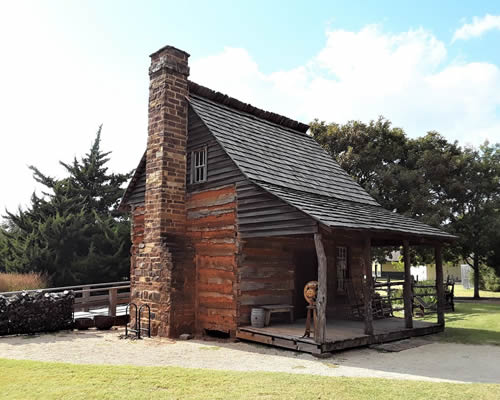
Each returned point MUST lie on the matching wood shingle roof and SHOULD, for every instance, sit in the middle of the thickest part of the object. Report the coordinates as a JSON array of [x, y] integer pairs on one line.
[[292, 166], [277, 155]]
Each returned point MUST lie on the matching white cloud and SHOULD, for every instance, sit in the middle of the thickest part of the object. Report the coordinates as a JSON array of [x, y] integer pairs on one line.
[[407, 77], [477, 27], [55, 90]]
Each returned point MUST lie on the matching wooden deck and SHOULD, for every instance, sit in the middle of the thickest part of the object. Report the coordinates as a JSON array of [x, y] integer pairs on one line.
[[340, 334], [120, 311]]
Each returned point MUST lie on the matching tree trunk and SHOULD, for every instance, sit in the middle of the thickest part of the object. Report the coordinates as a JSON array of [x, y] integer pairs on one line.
[[476, 276]]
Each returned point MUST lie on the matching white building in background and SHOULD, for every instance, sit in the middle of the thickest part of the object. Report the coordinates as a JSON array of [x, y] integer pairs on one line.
[[467, 281], [393, 268]]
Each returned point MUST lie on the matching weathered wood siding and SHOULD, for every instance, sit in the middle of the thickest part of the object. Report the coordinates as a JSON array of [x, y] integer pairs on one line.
[[338, 301], [260, 214], [212, 230], [221, 170], [136, 197]]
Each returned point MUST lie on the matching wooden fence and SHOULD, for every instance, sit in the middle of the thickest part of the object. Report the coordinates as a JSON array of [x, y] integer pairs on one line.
[[93, 296]]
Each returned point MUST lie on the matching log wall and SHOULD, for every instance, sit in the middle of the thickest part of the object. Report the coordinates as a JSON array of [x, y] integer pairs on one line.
[[267, 272], [211, 228]]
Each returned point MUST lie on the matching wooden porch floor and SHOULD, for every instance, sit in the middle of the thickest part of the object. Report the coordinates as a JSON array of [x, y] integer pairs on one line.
[[341, 334]]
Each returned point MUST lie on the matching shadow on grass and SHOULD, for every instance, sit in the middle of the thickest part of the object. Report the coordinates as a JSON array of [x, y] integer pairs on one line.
[[470, 336]]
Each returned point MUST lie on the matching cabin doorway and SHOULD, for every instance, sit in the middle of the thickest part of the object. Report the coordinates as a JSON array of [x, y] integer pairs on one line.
[[306, 269]]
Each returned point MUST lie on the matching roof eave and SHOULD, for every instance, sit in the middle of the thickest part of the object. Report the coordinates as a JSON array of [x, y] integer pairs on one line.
[[124, 206]]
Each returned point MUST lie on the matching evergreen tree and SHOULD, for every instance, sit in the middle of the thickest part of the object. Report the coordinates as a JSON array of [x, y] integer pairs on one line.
[[73, 233]]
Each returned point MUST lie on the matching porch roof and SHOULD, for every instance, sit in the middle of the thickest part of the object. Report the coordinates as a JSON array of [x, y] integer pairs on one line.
[[338, 213]]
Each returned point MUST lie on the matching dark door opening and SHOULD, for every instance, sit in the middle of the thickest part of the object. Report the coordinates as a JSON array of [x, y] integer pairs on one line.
[[306, 269]]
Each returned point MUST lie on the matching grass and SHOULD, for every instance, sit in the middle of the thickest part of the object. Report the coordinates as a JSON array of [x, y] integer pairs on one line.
[[461, 292], [210, 348], [37, 380], [14, 282], [471, 323]]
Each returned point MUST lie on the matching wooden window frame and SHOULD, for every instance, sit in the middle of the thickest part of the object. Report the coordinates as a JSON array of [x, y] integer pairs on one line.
[[342, 277], [199, 164]]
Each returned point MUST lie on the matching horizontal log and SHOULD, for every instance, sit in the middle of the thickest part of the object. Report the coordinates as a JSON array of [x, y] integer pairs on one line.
[[246, 285], [264, 272], [206, 262], [246, 299], [225, 288], [216, 249]]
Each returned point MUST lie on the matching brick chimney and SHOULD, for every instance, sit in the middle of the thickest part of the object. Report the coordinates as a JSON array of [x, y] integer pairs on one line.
[[163, 266]]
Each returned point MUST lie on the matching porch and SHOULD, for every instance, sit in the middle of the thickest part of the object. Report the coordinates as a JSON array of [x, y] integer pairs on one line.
[[351, 310], [339, 334]]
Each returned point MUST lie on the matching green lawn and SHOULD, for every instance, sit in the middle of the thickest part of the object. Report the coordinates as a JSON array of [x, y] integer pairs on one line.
[[37, 380], [461, 292], [473, 323]]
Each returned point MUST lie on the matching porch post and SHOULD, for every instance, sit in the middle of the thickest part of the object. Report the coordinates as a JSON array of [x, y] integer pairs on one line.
[[439, 284], [407, 288], [368, 286], [320, 332]]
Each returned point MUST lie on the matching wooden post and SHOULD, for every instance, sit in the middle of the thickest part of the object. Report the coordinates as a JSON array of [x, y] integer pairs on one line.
[[368, 286], [320, 329], [85, 297], [439, 284], [113, 296], [389, 288], [407, 291]]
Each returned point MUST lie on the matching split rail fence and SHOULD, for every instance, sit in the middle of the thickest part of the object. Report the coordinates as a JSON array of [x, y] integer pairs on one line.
[[87, 297]]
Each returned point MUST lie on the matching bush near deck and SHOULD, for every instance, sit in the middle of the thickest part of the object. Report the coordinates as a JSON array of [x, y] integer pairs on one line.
[[15, 282]]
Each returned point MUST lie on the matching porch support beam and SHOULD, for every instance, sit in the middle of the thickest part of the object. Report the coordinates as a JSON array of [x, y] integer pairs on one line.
[[320, 332], [368, 286], [407, 288], [439, 284]]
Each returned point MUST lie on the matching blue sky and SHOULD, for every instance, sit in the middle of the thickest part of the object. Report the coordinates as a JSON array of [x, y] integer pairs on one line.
[[68, 66]]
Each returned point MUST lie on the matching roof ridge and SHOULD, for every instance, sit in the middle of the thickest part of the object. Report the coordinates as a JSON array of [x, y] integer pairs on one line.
[[224, 100]]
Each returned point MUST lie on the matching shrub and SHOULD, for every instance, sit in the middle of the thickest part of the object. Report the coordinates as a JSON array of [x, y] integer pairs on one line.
[[428, 294], [489, 279], [15, 282]]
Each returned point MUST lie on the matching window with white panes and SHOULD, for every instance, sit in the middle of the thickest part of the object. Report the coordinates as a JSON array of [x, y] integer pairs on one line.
[[341, 262], [199, 165]]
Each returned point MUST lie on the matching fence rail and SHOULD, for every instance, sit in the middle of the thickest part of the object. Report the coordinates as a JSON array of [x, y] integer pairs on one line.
[[92, 296]]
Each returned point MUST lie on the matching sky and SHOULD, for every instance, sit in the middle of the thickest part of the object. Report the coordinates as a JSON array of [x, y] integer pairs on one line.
[[68, 66]]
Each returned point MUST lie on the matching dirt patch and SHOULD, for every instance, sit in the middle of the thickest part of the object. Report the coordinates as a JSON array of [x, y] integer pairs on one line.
[[400, 345]]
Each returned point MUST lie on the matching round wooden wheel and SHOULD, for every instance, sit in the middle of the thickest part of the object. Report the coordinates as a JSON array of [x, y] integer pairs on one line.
[[310, 292]]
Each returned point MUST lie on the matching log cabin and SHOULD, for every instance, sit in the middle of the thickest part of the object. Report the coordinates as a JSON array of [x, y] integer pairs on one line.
[[235, 208]]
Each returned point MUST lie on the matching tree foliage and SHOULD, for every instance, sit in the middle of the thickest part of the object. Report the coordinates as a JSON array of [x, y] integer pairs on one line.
[[73, 233], [428, 178]]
